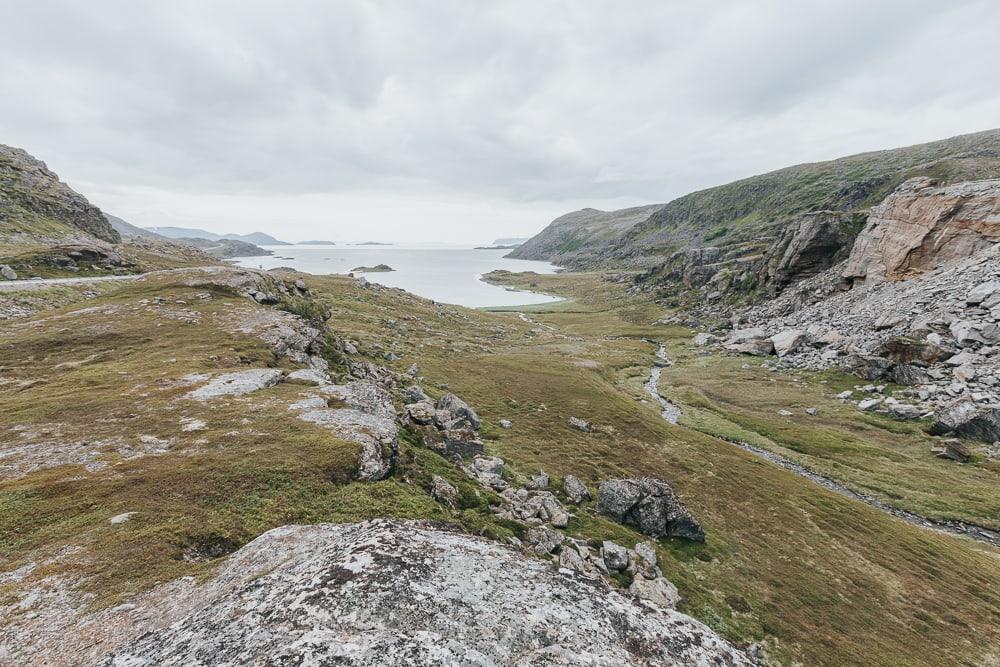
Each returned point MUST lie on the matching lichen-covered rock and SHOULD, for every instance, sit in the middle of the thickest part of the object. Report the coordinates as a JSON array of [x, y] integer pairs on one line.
[[788, 341], [951, 449], [758, 347], [538, 482], [414, 394], [650, 505], [867, 367], [575, 490], [366, 416], [421, 412], [703, 339], [615, 556], [966, 420], [308, 376], [443, 491], [580, 424], [237, 383], [657, 590], [392, 592], [456, 409], [543, 540]]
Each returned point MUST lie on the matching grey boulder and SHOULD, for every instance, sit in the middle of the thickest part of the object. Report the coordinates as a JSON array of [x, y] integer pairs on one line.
[[650, 505], [457, 409], [575, 490], [966, 420]]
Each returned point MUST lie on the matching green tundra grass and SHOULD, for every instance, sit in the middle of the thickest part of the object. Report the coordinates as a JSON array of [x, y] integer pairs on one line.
[[817, 578]]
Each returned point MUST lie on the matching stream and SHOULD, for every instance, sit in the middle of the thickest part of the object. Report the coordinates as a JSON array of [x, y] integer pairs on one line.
[[671, 413], [668, 410]]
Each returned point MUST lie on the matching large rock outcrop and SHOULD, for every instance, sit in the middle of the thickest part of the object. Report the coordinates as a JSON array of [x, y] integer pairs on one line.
[[919, 226], [32, 197], [808, 245], [391, 593]]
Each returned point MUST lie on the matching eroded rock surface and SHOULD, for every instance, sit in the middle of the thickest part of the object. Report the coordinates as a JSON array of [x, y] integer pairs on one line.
[[919, 226], [363, 413], [238, 383], [389, 592]]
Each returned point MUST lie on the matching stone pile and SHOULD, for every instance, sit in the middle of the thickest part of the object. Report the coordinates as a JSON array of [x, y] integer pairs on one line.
[[937, 333], [608, 559], [449, 426]]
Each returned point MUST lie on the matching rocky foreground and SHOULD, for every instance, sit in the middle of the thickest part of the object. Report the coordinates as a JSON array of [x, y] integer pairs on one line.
[[407, 593]]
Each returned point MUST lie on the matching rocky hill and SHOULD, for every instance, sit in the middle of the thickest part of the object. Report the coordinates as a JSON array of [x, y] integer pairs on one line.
[[578, 238], [36, 205], [739, 234], [48, 230], [917, 303], [224, 248], [129, 231]]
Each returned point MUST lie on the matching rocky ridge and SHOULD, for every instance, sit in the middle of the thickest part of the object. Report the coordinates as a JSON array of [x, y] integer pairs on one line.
[[393, 592], [31, 194]]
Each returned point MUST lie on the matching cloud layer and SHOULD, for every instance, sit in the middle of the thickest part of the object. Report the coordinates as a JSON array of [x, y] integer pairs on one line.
[[464, 120]]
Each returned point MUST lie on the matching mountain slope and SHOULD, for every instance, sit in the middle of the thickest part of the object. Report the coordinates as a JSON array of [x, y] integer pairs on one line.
[[744, 210], [576, 237], [35, 205], [130, 231], [746, 217]]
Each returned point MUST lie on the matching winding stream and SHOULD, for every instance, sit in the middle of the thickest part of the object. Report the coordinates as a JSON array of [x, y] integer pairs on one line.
[[672, 413], [668, 410]]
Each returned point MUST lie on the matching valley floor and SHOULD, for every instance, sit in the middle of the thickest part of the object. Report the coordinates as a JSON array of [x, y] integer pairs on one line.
[[97, 424]]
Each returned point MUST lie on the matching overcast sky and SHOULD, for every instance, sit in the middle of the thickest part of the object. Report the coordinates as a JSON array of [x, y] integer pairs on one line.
[[464, 121]]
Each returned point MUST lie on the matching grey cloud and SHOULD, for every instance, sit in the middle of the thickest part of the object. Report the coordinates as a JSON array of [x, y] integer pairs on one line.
[[518, 102]]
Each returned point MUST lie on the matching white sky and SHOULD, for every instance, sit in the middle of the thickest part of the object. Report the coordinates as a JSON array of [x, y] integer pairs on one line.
[[468, 120]]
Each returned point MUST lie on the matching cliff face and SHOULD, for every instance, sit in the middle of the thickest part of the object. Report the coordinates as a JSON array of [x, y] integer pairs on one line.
[[34, 202], [920, 226]]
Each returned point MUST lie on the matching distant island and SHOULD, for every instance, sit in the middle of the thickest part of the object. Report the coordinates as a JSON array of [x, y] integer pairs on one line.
[[503, 244], [373, 243], [509, 242], [317, 243], [378, 268]]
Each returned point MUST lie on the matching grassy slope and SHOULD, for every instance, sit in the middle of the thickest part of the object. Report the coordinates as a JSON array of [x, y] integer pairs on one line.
[[822, 579], [756, 207]]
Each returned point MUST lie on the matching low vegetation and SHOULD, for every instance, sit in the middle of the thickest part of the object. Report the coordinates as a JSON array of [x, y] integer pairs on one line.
[[816, 577]]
